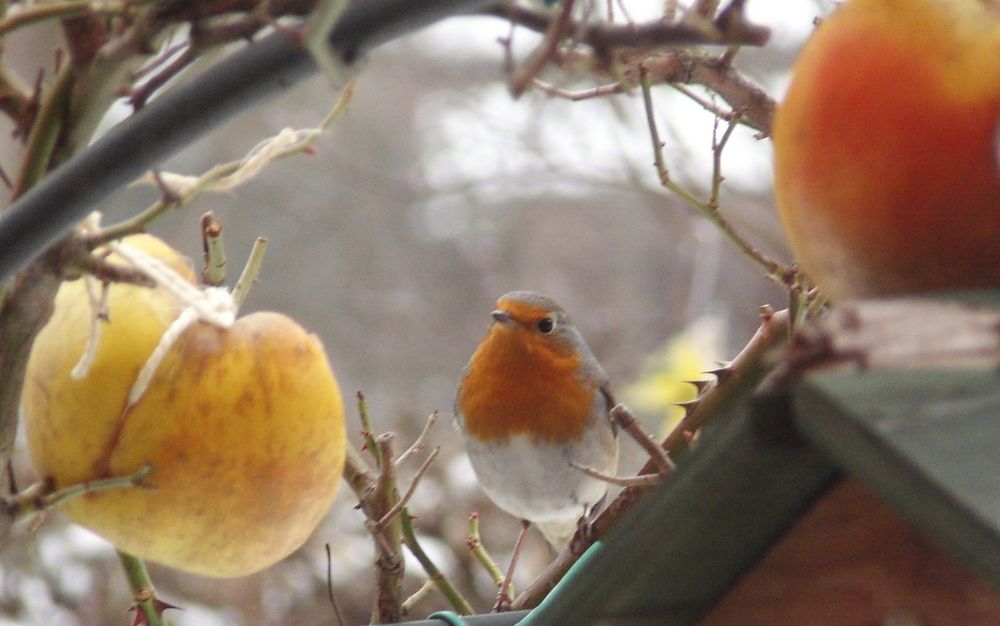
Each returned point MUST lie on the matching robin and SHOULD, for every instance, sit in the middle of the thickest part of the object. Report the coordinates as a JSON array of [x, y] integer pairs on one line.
[[533, 399]]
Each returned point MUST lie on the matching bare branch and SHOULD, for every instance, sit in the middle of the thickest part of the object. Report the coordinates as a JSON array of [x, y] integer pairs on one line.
[[756, 106], [420, 442], [397, 508], [643, 36], [624, 418], [329, 587], [576, 96], [643, 480], [543, 54]]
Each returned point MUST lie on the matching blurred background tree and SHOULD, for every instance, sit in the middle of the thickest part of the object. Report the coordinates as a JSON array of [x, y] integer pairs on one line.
[[433, 195]]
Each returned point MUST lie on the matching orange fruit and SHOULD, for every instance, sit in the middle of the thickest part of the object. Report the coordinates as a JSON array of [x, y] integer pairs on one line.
[[243, 428], [886, 156]]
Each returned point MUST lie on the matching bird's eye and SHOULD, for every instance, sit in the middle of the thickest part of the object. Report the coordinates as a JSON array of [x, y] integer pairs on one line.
[[546, 325]]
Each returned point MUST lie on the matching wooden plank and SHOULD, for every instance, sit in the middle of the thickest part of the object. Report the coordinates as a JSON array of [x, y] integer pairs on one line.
[[927, 441], [852, 560]]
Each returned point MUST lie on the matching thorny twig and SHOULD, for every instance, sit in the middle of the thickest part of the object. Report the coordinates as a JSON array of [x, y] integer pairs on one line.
[[203, 38], [624, 419], [709, 208], [389, 521], [697, 68], [417, 596], [643, 480], [642, 36], [397, 508], [474, 542], [329, 587], [43, 496], [621, 415], [366, 429], [576, 96], [148, 607], [619, 50], [389, 563], [435, 575], [213, 271], [543, 54], [251, 270], [420, 442]]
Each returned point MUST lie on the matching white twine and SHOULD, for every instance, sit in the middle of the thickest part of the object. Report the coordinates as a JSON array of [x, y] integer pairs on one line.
[[227, 176], [212, 305], [97, 303]]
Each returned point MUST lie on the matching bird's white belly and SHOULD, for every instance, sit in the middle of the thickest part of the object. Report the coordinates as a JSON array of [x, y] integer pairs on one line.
[[533, 480]]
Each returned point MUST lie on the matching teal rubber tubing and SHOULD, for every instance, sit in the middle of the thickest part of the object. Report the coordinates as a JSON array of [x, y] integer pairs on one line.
[[537, 616]]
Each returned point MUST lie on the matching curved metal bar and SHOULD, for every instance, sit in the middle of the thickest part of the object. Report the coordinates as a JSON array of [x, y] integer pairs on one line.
[[47, 211]]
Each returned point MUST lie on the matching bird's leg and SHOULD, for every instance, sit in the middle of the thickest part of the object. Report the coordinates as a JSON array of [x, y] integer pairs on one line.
[[586, 534], [503, 597]]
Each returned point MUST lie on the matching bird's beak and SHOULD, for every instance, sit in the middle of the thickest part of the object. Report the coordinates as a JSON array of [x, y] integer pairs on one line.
[[501, 316]]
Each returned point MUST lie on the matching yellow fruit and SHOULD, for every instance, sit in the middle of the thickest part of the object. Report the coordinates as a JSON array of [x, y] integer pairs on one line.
[[886, 170], [243, 428]]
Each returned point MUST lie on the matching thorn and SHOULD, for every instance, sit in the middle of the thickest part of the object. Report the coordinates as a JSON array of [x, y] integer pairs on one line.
[[723, 372], [686, 407], [700, 385], [159, 606], [5, 179]]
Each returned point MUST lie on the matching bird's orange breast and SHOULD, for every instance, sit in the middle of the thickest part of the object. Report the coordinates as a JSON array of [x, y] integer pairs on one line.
[[518, 384]]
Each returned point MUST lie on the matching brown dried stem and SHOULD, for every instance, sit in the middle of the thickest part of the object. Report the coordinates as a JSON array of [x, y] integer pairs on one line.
[[43, 496], [543, 54], [366, 428], [213, 272], [16, 100], [35, 13], [389, 564], [640, 36], [622, 481], [583, 94], [708, 208], [250, 271], [621, 415], [397, 508], [695, 68], [329, 588], [420, 442], [389, 522]]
